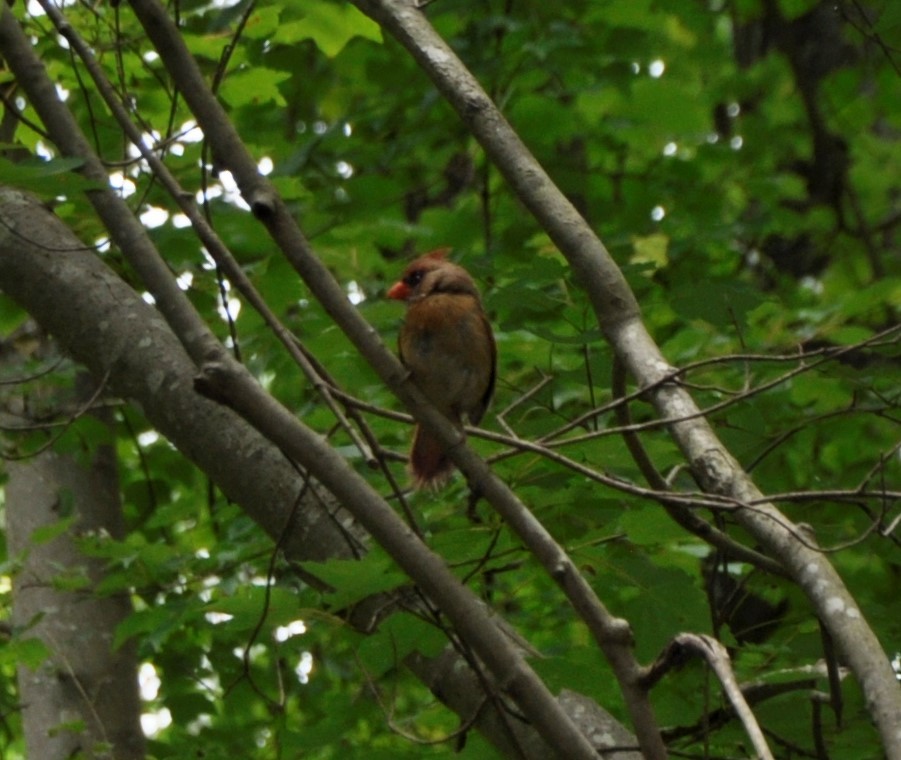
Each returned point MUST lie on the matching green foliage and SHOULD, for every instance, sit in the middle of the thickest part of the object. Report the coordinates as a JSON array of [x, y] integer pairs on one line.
[[690, 166], [29, 652], [45, 178]]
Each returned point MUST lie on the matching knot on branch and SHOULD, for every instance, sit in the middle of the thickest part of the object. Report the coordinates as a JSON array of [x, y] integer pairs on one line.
[[262, 203], [210, 381], [714, 471], [621, 632]]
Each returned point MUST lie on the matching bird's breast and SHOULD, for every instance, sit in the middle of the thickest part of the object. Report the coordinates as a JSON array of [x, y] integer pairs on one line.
[[444, 343]]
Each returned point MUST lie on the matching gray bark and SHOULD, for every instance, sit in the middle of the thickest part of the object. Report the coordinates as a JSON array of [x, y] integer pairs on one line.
[[84, 698]]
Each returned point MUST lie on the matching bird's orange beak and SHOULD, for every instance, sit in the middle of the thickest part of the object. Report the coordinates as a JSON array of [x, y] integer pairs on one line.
[[399, 291]]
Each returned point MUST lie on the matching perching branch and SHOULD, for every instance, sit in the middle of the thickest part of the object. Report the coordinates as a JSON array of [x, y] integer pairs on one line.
[[146, 363], [610, 633], [235, 386]]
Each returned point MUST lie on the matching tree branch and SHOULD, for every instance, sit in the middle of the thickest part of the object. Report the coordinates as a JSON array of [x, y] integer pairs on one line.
[[106, 326], [125, 229], [234, 385]]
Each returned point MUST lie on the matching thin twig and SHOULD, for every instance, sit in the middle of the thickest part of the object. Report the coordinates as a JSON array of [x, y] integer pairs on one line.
[[717, 657], [83, 409], [465, 725]]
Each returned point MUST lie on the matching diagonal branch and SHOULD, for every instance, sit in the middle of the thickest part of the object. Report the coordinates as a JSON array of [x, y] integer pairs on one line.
[[611, 634], [235, 385]]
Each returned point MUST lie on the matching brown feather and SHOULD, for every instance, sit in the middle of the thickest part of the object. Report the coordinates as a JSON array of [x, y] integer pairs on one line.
[[447, 344], [430, 466]]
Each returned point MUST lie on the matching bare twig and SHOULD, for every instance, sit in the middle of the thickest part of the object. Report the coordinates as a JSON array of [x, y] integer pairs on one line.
[[674, 507], [82, 409], [717, 658], [519, 401], [388, 711]]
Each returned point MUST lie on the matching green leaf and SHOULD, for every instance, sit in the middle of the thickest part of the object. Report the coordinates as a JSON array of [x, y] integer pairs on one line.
[[650, 525], [652, 250], [49, 178], [254, 86], [250, 603], [330, 25], [888, 23], [792, 9], [820, 393], [396, 638], [69, 726], [153, 625], [357, 579], [30, 652], [668, 107], [47, 533], [263, 23], [722, 304]]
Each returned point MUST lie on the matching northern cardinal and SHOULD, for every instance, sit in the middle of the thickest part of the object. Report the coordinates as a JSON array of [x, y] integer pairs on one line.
[[447, 344]]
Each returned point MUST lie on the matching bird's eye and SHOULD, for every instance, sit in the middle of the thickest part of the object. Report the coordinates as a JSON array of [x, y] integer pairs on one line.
[[414, 278]]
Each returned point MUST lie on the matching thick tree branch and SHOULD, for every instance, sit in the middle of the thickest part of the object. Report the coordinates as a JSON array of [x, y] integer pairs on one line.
[[105, 325], [124, 228], [619, 318], [459, 687]]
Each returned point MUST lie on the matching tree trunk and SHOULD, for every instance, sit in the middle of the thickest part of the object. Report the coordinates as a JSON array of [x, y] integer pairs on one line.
[[84, 697]]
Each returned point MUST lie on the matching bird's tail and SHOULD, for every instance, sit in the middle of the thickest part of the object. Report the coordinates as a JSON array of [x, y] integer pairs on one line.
[[430, 465]]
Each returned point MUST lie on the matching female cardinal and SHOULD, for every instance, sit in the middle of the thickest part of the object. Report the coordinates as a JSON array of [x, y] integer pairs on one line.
[[447, 344]]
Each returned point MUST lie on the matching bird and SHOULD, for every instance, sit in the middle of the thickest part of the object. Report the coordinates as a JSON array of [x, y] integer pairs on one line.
[[447, 345]]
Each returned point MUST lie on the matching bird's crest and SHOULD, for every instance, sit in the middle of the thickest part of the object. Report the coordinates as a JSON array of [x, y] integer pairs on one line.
[[439, 253]]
